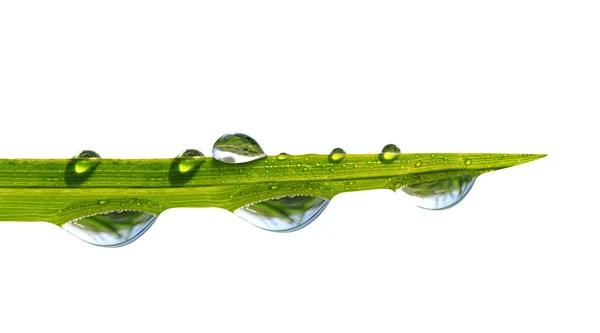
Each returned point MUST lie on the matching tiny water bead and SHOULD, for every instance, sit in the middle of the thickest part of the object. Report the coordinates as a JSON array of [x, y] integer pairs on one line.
[[86, 161], [185, 166], [283, 214], [111, 229], [337, 155], [283, 156], [237, 148], [389, 153], [81, 167], [188, 160], [441, 194]]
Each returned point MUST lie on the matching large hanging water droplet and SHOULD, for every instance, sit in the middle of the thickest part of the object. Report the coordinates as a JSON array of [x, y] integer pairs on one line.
[[337, 155], [441, 194], [283, 214], [389, 153], [185, 166], [111, 229], [237, 148], [81, 167]]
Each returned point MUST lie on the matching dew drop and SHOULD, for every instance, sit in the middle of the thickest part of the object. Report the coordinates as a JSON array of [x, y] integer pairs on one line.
[[441, 194], [112, 229], [184, 166], [81, 167], [468, 161], [237, 148], [337, 155], [188, 160], [389, 153], [86, 161], [283, 156], [283, 214]]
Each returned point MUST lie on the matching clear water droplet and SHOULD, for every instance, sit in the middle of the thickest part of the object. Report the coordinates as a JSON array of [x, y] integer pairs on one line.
[[337, 155], [441, 194], [468, 161], [283, 156], [112, 229], [237, 148], [86, 160], [184, 166], [188, 160], [389, 153], [283, 214], [81, 167]]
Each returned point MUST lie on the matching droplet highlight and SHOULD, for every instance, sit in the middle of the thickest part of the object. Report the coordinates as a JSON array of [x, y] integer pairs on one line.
[[337, 155], [283, 156], [389, 153], [441, 194], [112, 229], [284, 214], [81, 167], [237, 148]]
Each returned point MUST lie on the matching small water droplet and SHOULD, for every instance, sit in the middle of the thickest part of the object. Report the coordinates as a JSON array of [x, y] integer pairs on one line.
[[418, 164], [468, 161], [188, 160], [337, 155], [81, 167], [184, 166], [284, 214], [273, 187], [112, 229], [237, 148], [389, 153], [283, 156], [441, 194]]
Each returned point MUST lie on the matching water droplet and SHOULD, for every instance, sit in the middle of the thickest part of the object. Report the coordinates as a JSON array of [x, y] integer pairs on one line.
[[81, 167], [441, 194], [337, 155], [188, 160], [468, 161], [184, 166], [389, 153], [283, 156], [283, 214], [418, 164], [112, 229], [274, 187], [237, 148]]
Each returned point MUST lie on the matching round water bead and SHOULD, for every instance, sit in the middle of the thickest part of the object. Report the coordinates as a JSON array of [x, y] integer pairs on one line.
[[284, 214], [441, 194], [337, 155], [237, 148], [111, 229]]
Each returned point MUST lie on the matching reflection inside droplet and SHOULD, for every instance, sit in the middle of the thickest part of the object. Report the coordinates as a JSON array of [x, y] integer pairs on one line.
[[237, 148], [112, 229], [284, 214], [441, 194]]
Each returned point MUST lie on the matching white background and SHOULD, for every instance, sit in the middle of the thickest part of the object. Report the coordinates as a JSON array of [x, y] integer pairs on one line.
[[149, 79]]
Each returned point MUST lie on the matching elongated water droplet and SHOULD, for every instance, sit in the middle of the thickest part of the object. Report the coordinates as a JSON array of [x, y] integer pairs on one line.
[[111, 229], [389, 153], [237, 148], [283, 214], [283, 156], [441, 194], [337, 155], [81, 167], [185, 166]]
